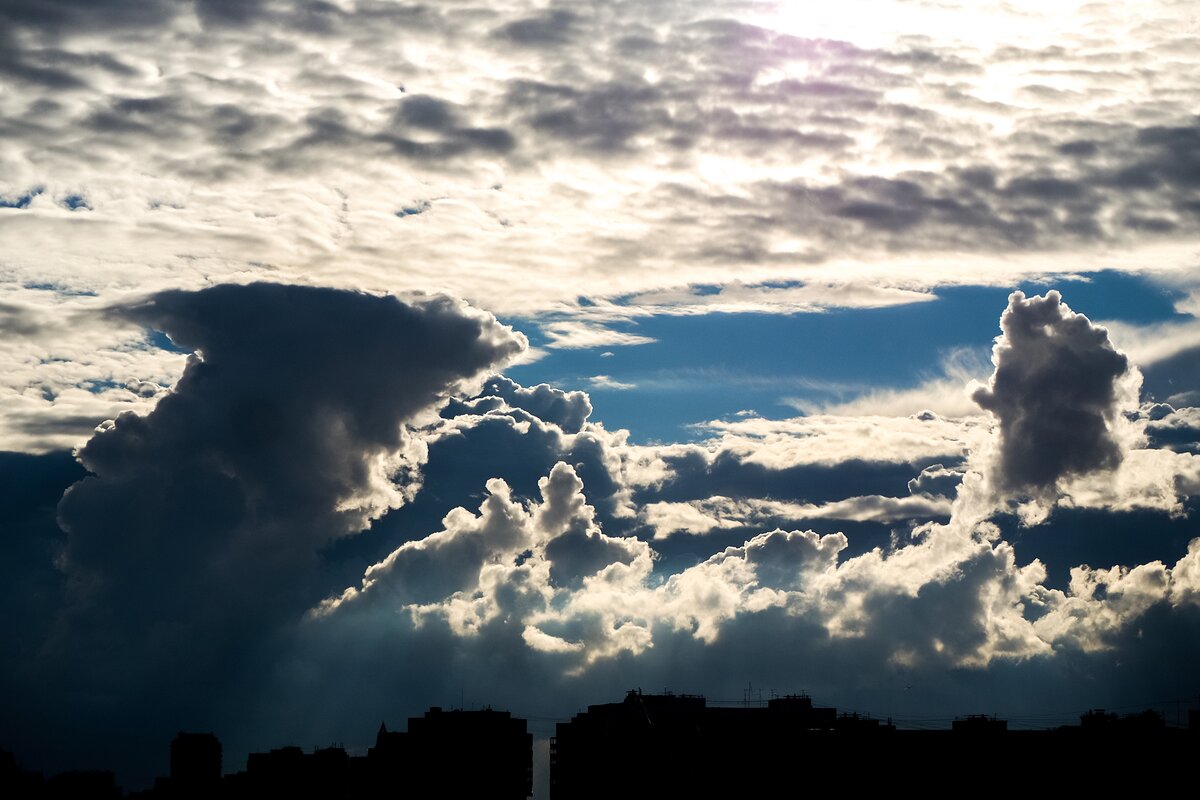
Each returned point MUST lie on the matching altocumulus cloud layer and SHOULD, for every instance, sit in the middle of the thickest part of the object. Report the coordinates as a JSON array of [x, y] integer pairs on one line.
[[523, 155]]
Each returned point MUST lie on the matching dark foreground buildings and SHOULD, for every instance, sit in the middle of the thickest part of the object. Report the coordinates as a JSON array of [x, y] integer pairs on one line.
[[672, 745], [664, 746], [486, 754], [678, 745], [444, 754]]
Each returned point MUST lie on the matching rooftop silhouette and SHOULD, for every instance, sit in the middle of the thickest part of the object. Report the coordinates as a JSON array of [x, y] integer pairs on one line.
[[675, 745], [652, 745]]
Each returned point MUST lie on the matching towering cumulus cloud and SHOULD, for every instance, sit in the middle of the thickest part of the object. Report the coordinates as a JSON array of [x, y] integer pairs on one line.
[[1057, 389], [202, 521]]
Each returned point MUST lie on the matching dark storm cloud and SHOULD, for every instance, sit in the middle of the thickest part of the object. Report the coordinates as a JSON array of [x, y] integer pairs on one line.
[[30, 543], [292, 393], [200, 525], [1055, 392], [943, 620]]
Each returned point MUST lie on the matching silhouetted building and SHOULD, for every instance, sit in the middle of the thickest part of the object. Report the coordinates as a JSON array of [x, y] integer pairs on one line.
[[389, 758], [1098, 719], [17, 782], [676, 745], [979, 725], [670, 745], [283, 771], [195, 766], [799, 712], [470, 754], [83, 785], [653, 746], [486, 754]]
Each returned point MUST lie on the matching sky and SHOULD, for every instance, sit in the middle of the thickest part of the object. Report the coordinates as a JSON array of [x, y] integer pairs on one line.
[[361, 356]]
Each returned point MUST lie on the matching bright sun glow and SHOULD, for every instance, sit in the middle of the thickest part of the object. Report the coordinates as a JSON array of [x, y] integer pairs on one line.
[[878, 23]]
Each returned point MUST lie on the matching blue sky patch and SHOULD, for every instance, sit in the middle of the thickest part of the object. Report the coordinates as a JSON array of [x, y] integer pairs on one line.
[[712, 366], [20, 200]]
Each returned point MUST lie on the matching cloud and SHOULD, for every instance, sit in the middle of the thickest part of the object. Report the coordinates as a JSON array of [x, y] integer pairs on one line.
[[30, 545], [201, 523], [1057, 392], [581, 335], [739, 298], [1100, 603], [567, 410], [830, 439], [583, 168], [1174, 429], [947, 395], [506, 561], [1167, 353], [948, 597], [699, 517], [520, 433], [544, 583], [1145, 479], [550, 29], [605, 382], [68, 368], [936, 480], [1151, 344], [676, 173]]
